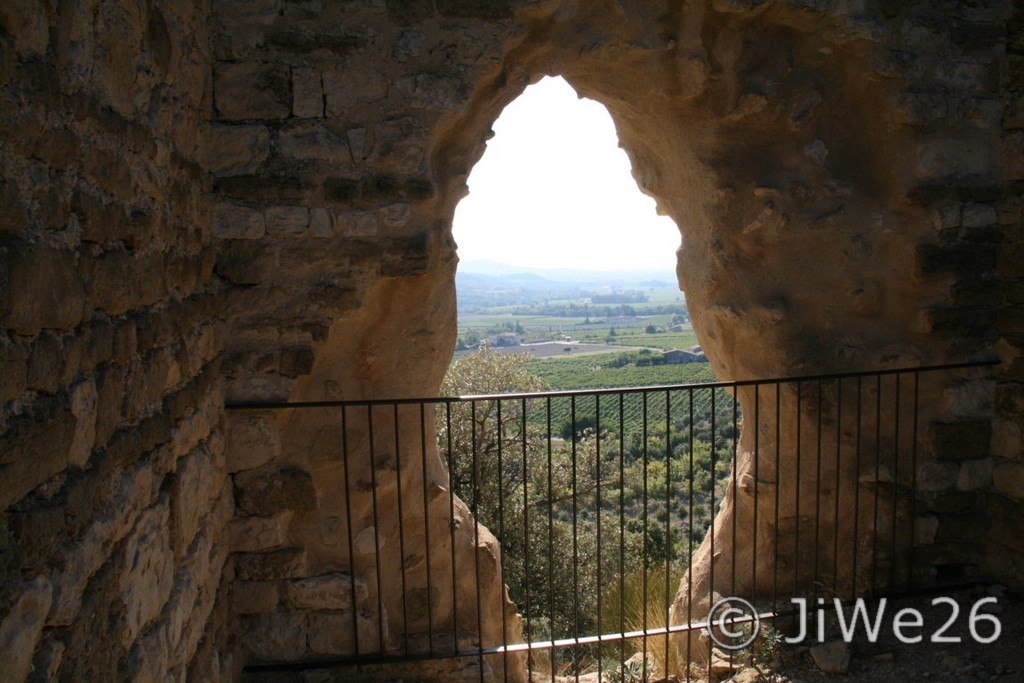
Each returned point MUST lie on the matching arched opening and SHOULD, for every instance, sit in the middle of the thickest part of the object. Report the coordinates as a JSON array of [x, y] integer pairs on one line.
[[571, 285]]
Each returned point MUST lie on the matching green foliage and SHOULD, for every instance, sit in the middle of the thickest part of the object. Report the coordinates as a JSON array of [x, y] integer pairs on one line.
[[586, 510]]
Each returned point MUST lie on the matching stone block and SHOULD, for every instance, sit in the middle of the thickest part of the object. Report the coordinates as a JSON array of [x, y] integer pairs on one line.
[[255, 534], [946, 157], [435, 92], [354, 224], [936, 476], [286, 221], [405, 12], [21, 628], [311, 140], [236, 150], [1008, 480], [476, 9], [234, 222], [83, 407], [31, 453], [147, 575], [193, 487], [307, 93], [1013, 155], [255, 597], [252, 90], [395, 215], [40, 288], [331, 633], [284, 563], [274, 637], [346, 88], [979, 215], [119, 280], [975, 475], [967, 76], [16, 362], [252, 439], [328, 592], [960, 440], [268, 492]]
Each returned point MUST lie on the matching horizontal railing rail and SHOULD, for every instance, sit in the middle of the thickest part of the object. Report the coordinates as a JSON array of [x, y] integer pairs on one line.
[[619, 514]]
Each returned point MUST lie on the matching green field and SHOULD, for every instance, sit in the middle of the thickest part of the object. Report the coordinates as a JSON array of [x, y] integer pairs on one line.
[[588, 372]]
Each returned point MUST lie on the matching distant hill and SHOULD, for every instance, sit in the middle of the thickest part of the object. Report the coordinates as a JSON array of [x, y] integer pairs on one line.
[[523, 276]]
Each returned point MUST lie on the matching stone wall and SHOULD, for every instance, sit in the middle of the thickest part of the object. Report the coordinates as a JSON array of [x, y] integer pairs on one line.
[[112, 464], [252, 199], [858, 145]]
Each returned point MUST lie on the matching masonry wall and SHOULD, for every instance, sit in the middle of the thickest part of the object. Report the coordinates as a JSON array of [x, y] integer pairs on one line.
[[112, 483]]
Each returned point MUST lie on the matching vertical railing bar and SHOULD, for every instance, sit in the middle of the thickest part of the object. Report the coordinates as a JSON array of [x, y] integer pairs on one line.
[[778, 493], [711, 514], [646, 455], [838, 491], [689, 545], [668, 519], [878, 484], [735, 493], [376, 529], [475, 474], [426, 527], [817, 491], [401, 531], [757, 478], [913, 477], [856, 489], [735, 498], [575, 544], [528, 610], [501, 532], [622, 528], [797, 486], [348, 525], [895, 483], [451, 524], [597, 475], [551, 542]]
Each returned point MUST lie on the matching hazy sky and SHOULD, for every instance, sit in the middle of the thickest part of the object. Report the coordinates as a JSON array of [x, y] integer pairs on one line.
[[553, 189]]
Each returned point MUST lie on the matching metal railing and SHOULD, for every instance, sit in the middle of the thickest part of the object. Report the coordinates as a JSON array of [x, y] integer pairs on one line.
[[604, 503]]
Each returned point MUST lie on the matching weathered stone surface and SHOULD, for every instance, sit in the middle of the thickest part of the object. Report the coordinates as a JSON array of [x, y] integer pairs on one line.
[[40, 288], [252, 534], [284, 563], [330, 633], [327, 592], [345, 89], [21, 628], [232, 222], [237, 150], [310, 141], [83, 407], [148, 574], [307, 93], [255, 597], [960, 440], [286, 221], [253, 440], [252, 90], [274, 637], [268, 492]]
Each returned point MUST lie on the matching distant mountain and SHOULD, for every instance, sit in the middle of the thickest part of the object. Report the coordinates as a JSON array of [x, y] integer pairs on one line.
[[523, 274]]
